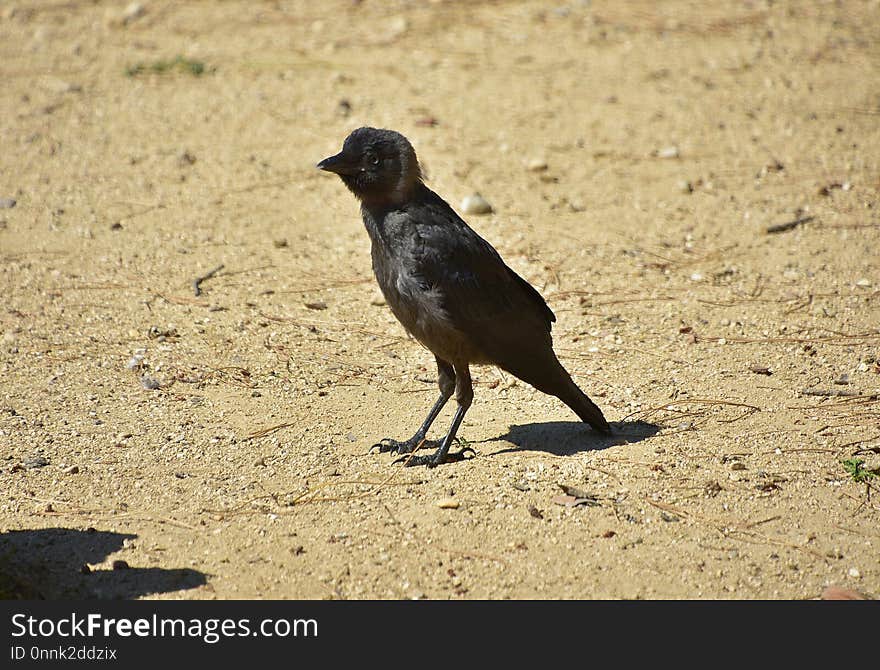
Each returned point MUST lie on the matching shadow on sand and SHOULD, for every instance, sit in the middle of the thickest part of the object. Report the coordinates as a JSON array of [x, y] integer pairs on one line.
[[565, 438], [47, 563]]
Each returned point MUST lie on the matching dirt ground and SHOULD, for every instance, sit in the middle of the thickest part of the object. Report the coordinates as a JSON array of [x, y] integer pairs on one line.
[[635, 155]]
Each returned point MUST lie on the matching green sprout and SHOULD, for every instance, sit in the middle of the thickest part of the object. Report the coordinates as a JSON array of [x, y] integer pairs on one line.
[[855, 468], [186, 65]]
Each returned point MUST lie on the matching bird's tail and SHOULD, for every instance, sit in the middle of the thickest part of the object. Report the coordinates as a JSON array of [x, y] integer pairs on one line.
[[547, 374], [585, 408]]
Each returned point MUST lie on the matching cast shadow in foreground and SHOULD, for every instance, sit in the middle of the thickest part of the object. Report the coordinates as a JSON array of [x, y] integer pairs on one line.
[[48, 563], [565, 438]]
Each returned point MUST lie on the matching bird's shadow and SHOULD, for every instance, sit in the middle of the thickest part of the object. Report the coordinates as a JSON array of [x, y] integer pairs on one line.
[[565, 438], [47, 563]]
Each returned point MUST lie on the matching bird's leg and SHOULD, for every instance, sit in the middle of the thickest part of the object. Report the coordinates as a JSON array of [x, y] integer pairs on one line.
[[464, 395], [410, 445], [446, 381]]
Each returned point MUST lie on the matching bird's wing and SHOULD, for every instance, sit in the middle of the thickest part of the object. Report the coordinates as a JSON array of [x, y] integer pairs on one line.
[[476, 288]]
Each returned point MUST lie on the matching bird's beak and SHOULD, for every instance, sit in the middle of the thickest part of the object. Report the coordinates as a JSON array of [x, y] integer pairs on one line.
[[340, 164]]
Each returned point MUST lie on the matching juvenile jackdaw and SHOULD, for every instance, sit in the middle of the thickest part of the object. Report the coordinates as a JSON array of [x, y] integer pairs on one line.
[[448, 287]]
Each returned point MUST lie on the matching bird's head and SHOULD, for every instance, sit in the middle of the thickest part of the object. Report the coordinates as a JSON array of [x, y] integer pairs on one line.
[[378, 166]]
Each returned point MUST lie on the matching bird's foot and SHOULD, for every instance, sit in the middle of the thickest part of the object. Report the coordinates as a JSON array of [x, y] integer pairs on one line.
[[386, 444], [432, 461]]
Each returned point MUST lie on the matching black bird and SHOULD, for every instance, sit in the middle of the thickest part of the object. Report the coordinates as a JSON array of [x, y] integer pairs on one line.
[[448, 287]]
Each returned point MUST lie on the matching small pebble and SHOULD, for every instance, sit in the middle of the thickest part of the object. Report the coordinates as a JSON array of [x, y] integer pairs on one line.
[[138, 358], [133, 12], [838, 593], [863, 282], [149, 383], [476, 204], [7, 203], [447, 503], [397, 27], [667, 152], [536, 165], [72, 470], [854, 573], [35, 462], [736, 465]]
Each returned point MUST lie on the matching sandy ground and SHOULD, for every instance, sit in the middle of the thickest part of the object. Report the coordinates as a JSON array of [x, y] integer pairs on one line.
[[635, 154]]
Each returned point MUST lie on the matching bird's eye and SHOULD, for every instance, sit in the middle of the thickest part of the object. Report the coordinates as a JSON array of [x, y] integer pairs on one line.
[[372, 158]]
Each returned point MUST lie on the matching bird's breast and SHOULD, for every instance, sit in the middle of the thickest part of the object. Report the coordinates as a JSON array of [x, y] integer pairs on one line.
[[398, 285], [419, 308]]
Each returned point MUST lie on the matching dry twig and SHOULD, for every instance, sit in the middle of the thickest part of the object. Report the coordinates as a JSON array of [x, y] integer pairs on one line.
[[197, 282]]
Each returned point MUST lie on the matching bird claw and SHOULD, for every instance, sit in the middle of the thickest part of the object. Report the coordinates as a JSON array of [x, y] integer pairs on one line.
[[410, 460], [386, 444]]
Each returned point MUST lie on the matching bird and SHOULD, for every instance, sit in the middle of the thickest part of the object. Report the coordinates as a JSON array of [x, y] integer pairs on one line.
[[449, 288]]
